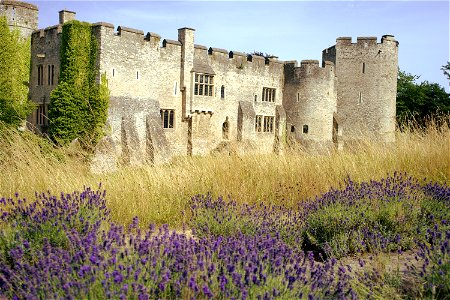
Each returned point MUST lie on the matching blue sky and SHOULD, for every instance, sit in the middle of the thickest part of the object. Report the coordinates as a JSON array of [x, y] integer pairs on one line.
[[291, 30]]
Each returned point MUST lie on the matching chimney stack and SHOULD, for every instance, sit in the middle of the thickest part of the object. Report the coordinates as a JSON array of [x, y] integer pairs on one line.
[[66, 16]]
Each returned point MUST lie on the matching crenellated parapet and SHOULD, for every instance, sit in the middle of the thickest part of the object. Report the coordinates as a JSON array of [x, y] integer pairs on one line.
[[308, 69], [366, 41]]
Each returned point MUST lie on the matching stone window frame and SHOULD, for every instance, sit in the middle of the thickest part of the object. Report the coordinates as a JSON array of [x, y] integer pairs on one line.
[[258, 123], [268, 123], [41, 117], [167, 118], [268, 94], [51, 74], [203, 84], [40, 74]]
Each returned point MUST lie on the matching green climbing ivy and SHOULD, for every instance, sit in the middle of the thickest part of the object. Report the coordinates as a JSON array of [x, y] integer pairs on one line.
[[14, 75], [79, 104]]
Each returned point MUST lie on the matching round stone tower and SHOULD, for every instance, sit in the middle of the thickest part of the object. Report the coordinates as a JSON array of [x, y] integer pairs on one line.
[[20, 15], [310, 103], [367, 85]]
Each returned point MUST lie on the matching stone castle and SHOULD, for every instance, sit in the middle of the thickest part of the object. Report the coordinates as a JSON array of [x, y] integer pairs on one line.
[[174, 97]]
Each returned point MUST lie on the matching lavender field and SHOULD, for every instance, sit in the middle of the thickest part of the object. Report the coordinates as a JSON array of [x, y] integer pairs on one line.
[[326, 247]]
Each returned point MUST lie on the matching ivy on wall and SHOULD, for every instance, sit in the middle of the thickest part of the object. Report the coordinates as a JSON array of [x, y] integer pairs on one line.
[[14, 75], [79, 104]]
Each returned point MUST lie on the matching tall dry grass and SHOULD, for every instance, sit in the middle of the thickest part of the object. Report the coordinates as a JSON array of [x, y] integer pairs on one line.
[[160, 194]]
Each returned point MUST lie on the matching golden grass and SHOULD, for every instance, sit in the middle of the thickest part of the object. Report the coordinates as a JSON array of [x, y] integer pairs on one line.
[[160, 194]]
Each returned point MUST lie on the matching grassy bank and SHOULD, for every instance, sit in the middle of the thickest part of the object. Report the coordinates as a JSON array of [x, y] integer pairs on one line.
[[159, 194]]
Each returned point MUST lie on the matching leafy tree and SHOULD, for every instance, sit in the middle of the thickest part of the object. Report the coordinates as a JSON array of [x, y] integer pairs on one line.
[[418, 102], [78, 105], [446, 70], [14, 75]]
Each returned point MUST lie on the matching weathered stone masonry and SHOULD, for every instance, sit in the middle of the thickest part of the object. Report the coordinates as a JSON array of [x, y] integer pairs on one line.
[[174, 97]]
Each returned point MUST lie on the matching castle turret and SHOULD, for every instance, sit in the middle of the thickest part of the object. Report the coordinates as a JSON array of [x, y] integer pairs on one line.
[[310, 103], [20, 15], [367, 86]]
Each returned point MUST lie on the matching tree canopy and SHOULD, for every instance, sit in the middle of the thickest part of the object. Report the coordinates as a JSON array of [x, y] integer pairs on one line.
[[419, 101], [14, 75]]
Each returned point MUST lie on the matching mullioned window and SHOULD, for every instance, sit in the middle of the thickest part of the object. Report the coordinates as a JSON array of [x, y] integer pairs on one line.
[[268, 94], [204, 85], [167, 117]]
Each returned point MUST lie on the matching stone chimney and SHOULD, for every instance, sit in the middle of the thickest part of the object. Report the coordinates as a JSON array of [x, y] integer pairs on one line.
[[66, 16]]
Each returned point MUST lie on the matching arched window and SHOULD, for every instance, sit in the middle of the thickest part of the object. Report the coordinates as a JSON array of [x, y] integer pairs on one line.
[[222, 91]]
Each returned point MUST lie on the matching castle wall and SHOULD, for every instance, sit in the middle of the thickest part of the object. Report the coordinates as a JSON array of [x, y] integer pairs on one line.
[[174, 97], [20, 15], [243, 79], [137, 67], [44, 75], [367, 85], [310, 103]]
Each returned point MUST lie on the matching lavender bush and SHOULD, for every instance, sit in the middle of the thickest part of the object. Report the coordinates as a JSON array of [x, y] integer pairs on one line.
[[67, 246], [57, 248]]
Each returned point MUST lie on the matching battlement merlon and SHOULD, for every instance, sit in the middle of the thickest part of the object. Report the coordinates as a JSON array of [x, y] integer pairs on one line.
[[130, 32], [200, 47], [19, 4], [170, 42], [388, 38], [233, 54], [217, 51]]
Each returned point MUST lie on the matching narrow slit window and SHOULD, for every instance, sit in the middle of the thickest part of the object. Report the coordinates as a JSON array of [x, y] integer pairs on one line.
[[175, 88], [40, 78], [137, 75], [113, 73], [298, 97], [222, 92], [53, 75], [360, 98], [305, 129], [364, 67], [258, 124]]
